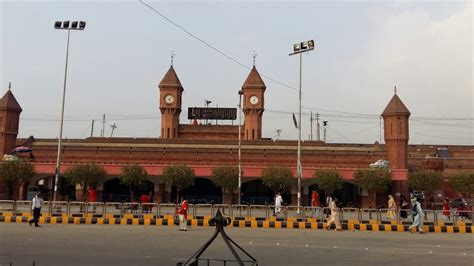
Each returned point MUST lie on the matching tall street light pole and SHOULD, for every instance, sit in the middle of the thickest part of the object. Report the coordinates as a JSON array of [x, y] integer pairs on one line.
[[240, 147], [64, 25], [300, 48]]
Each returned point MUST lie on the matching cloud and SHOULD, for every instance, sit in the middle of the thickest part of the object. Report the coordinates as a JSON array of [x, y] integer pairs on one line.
[[430, 60]]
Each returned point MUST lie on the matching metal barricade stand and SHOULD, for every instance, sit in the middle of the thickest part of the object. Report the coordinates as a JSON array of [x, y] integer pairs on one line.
[[95, 208], [256, 211], [167, 209], [147, 209], [206, 207], [77, 209], [7, 206], [240, 210], [112, 209], [370, 213], [294, 212], [313, 211], [429, 216], [345, 214], [219, 222], [21, 206], [57, 208], [132, 208]]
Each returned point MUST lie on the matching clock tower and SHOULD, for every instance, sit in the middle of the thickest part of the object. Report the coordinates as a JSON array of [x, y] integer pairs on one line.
[[171, 91], [253, 107]]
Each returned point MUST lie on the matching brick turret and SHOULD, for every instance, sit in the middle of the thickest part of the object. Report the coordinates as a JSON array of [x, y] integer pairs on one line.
[[395, 117], [253, 107], [171, 92], [9, 121]]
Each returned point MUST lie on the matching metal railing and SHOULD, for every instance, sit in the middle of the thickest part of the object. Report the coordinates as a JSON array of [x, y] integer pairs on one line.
[[247, 212]]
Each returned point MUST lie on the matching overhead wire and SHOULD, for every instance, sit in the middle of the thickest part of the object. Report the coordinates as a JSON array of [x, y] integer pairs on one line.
[[207, 44]]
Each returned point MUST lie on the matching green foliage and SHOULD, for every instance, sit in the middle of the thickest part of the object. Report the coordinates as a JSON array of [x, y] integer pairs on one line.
[[225, 177], [179, 176], [427, 181], [86, 175], [373, 180], [277, 178], [462, 182], [133, 176], [13, 173], [328, 180]]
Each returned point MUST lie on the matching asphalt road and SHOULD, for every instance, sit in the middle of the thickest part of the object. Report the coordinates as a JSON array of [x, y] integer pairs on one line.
[[160, 245]]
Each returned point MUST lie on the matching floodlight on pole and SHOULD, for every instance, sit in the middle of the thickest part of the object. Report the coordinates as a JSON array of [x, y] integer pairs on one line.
[[300, 48], [64, 25], [240, 147]]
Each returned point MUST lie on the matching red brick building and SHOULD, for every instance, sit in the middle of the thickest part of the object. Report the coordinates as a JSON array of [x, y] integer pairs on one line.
[[203, 147]]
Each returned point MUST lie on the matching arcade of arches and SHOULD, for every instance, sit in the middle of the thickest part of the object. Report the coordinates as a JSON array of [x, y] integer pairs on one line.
[[202, 192]]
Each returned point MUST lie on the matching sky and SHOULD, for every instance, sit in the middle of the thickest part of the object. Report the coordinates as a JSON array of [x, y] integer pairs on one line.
[[363, 50]]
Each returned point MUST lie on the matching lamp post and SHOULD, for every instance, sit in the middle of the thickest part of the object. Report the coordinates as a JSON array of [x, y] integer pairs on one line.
[[240, 145], [300, 48], [64, 25]]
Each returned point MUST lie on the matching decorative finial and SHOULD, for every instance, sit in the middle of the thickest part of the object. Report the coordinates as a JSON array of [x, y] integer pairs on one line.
[[172, 57], [395, 90], [254, 55], [9, 85]]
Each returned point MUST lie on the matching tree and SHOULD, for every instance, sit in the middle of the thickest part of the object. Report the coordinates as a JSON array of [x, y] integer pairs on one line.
[[13, 173], [86, 175], [277, 178], [463, 182], [426, 181], [133, 176], [373, 180], [226, 177], [328, 180], [179, 176]]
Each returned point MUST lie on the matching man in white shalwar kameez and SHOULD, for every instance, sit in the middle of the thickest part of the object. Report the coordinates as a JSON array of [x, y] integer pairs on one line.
[[418, 216], [278, 203]]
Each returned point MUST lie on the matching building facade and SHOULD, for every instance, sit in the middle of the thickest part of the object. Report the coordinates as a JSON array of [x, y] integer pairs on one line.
[[204, 146]]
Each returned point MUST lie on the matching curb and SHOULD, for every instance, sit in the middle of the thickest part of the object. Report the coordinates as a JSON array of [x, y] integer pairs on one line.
[[236, 223]]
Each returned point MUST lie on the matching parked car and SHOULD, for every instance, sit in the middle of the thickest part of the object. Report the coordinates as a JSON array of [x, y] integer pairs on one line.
[[458, 203], [380, 164]]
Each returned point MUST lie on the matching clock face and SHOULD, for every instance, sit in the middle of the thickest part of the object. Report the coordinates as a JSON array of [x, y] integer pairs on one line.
[[253, 100], [169, 99]]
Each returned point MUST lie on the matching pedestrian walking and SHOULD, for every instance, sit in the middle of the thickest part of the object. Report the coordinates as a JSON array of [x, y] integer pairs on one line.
[[183, 215], [36, 207], [334, 216], [403, 207], [327, 210], [278, 203], [417, 214], [392, 207], [315, 203], [446, 209]]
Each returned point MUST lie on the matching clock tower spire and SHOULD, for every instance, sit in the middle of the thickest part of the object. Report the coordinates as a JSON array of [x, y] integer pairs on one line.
[[253, 107], [171, 91]]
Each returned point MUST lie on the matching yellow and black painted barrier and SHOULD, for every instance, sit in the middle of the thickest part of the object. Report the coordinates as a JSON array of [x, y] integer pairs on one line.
[[350, 225]]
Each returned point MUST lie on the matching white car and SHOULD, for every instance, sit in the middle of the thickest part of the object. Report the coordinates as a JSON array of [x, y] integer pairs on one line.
[[380, 164]]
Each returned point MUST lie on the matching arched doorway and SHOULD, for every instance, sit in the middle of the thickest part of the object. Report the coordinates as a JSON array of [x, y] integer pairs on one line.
[[320, 192], [202, 192], [348, 195], [115, 191], [255, 192]]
